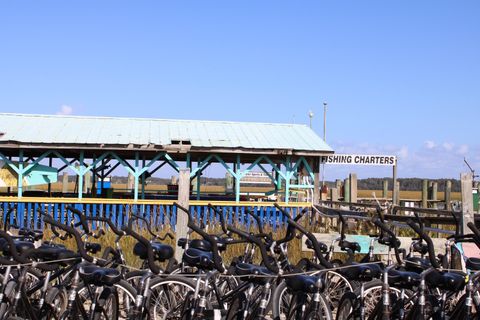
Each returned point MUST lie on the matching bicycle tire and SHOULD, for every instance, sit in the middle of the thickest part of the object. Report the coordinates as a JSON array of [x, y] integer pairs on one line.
[[162, 300], [346, 307], [127, 295], [107, 305]]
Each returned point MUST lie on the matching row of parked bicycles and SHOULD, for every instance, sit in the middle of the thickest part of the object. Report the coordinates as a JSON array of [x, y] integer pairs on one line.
[[44, 279]]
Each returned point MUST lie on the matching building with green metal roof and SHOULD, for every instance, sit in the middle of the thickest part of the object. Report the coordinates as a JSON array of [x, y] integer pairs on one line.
[[82, 143]]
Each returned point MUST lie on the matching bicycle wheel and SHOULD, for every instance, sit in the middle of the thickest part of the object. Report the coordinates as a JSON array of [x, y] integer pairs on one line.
[[281, 299], [5, 308], [167, 297], [126, 298], [336, 286], [57, 300], [107, 305], [322, 312], [346, 307]]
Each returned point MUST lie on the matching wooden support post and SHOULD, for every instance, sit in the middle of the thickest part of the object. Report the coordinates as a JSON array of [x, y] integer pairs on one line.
[[466, 181], [385, 189], [334, 194], [20, 174], [80, 175], [130, 182], [181, 228], [135, 181], [49, 183], [448, 195], [87, 181], [396, 191], [143, 178], [353, 188], [434, 195], [425, 194], [346, 190], [65, 183], [338, 184], [317, 192], [395, 199]]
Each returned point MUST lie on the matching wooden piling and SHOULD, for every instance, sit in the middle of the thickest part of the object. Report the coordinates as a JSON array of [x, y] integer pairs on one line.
[[434, 195], [334, 194], [181, 228], [425, 194], [317, 193], [448, 195], [130, 182], [385, 189], [65, 183], [396, 192], [353, 188], [466, 181], [346, 190]]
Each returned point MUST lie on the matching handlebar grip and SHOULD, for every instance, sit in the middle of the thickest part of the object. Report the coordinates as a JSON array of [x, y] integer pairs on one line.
[[81, 216], [428, 240]]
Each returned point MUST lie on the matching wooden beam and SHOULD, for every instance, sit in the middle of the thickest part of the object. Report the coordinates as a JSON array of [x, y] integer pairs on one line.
[[466, 181], [184, 201]]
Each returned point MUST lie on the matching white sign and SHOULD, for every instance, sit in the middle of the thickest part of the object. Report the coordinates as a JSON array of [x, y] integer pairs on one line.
[[256, 178], [360, 159]]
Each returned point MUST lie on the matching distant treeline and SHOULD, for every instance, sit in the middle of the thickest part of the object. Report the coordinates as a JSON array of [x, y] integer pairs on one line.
[[407, 184]]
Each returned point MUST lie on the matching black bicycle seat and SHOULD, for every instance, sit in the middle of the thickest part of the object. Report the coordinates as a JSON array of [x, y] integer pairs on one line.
[[361, 272], [302, 283], [49, 253], [473, 264], [416, 264], [354, 246], [451, 281], [97, 276], [20, 245], [252, 270], [199, 258], [403, 279], [201, 244], [162, 252]]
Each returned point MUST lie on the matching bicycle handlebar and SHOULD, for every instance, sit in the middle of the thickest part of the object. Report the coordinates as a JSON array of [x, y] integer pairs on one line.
[[428, 240], [309, 235], [217, 260]]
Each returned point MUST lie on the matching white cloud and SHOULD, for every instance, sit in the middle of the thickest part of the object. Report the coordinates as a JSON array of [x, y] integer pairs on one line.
[[448, 146], [403, 152], [65, 110], [430, 144], [463, 149]]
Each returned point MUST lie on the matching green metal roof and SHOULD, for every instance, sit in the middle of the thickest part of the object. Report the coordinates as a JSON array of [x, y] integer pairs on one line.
[[53, 131]]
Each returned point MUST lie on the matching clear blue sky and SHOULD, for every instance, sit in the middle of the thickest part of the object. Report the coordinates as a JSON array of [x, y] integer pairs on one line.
[[400, 77]]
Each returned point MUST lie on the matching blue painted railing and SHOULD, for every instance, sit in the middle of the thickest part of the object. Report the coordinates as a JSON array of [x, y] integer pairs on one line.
[[26, 215]]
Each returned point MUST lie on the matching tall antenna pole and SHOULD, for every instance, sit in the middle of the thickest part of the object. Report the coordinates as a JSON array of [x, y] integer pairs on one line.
[[325, 121]]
